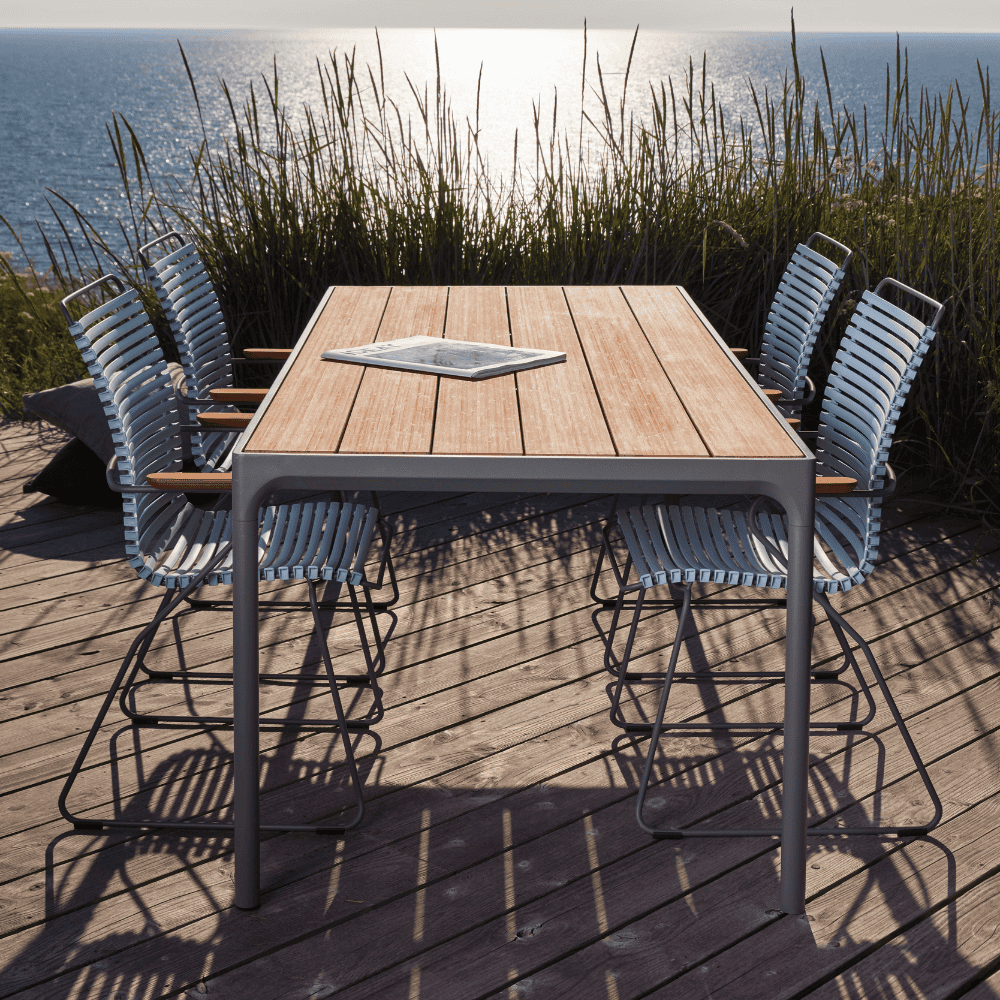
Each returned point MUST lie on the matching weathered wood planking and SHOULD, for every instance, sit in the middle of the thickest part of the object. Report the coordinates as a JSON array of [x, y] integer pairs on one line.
[[470, 724], [561, 856]]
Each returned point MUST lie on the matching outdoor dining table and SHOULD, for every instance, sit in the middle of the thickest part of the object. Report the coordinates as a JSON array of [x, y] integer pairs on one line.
[[650, 400]]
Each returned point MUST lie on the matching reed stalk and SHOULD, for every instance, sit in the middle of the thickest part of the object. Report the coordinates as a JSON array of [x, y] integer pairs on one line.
[[360, 189]]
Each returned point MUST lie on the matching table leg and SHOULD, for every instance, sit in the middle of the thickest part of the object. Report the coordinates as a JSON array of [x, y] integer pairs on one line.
[[795, 768], [246, 788]]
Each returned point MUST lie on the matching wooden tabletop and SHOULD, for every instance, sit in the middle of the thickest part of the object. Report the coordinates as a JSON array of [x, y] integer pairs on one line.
[[643, 376]]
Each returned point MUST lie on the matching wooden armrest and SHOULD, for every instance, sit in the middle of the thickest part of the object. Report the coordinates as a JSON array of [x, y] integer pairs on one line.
[[738, 352], [267, 353], [232, 420], [220, 481], [773, 394], [238, 395], [793, 422], [835, 484]]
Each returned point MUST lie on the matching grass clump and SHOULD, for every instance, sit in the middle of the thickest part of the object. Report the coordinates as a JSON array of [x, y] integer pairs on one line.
[[36, 350], [357, 190]]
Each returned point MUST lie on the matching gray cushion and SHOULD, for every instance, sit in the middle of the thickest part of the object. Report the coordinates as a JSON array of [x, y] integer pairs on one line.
[[75, 475], [76, 408]]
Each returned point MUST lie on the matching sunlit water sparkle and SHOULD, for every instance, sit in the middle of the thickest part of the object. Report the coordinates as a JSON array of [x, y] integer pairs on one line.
[[60, 88]]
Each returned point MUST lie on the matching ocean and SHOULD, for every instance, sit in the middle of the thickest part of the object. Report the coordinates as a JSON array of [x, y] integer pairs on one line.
[[60, 87]]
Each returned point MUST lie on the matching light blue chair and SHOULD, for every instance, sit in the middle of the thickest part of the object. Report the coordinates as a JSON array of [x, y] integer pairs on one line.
[[192, 309], [874, 369], [798, 310], [180, 547], [196, 322]]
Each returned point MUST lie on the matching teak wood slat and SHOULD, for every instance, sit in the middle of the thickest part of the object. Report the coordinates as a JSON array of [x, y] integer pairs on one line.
[[477, 418], [267, 353], [731, 419], [238, 395], [312, 416], [642, 409], [225, 419], [394, 410], [560, 412]]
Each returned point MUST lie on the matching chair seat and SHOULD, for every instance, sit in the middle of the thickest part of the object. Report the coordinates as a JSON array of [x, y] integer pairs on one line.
[[300, 541], [711, 545]]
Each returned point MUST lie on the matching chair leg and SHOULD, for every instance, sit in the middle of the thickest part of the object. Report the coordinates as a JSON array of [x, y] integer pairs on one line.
[[141, 643], [657, 727], [839, 623], [850, 660], [386, 533], [901, 831], [616, 716], [162, 611], [604, 601], [374, 666], [170, 602], [622, 674], [345, 735]]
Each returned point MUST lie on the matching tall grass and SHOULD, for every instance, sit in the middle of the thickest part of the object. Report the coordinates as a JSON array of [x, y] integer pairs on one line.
[[360, 190], [36, 350]]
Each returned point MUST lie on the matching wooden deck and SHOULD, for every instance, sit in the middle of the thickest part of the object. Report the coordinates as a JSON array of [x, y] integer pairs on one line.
[[500, 856]]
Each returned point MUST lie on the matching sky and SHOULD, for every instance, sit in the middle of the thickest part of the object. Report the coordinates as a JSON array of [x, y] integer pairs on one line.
[[674, 15]]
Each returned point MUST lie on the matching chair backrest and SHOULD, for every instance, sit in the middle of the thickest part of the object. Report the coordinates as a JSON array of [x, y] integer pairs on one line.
[[122, 354], [192, 309], [196, 322], [800, 305], [871, 377], [872, 374]]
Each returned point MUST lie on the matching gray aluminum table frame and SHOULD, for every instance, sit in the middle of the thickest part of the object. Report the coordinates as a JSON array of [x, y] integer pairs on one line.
[[789, 481]]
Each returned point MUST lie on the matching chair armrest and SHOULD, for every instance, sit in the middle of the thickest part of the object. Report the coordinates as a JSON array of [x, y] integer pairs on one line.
[[835, 484], [159, 482], [230, 420], [267, 353], [842, 484], [190, 482], [772, 394], [739, 352], [238, 395]]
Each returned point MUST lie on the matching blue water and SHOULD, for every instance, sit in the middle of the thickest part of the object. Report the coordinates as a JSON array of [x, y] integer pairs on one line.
[[59, 88]]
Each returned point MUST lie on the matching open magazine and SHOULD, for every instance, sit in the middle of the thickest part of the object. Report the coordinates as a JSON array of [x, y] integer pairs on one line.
[[452, 358]]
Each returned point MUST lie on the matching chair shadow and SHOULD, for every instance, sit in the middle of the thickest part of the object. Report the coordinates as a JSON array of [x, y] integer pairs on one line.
[[303, 780]]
